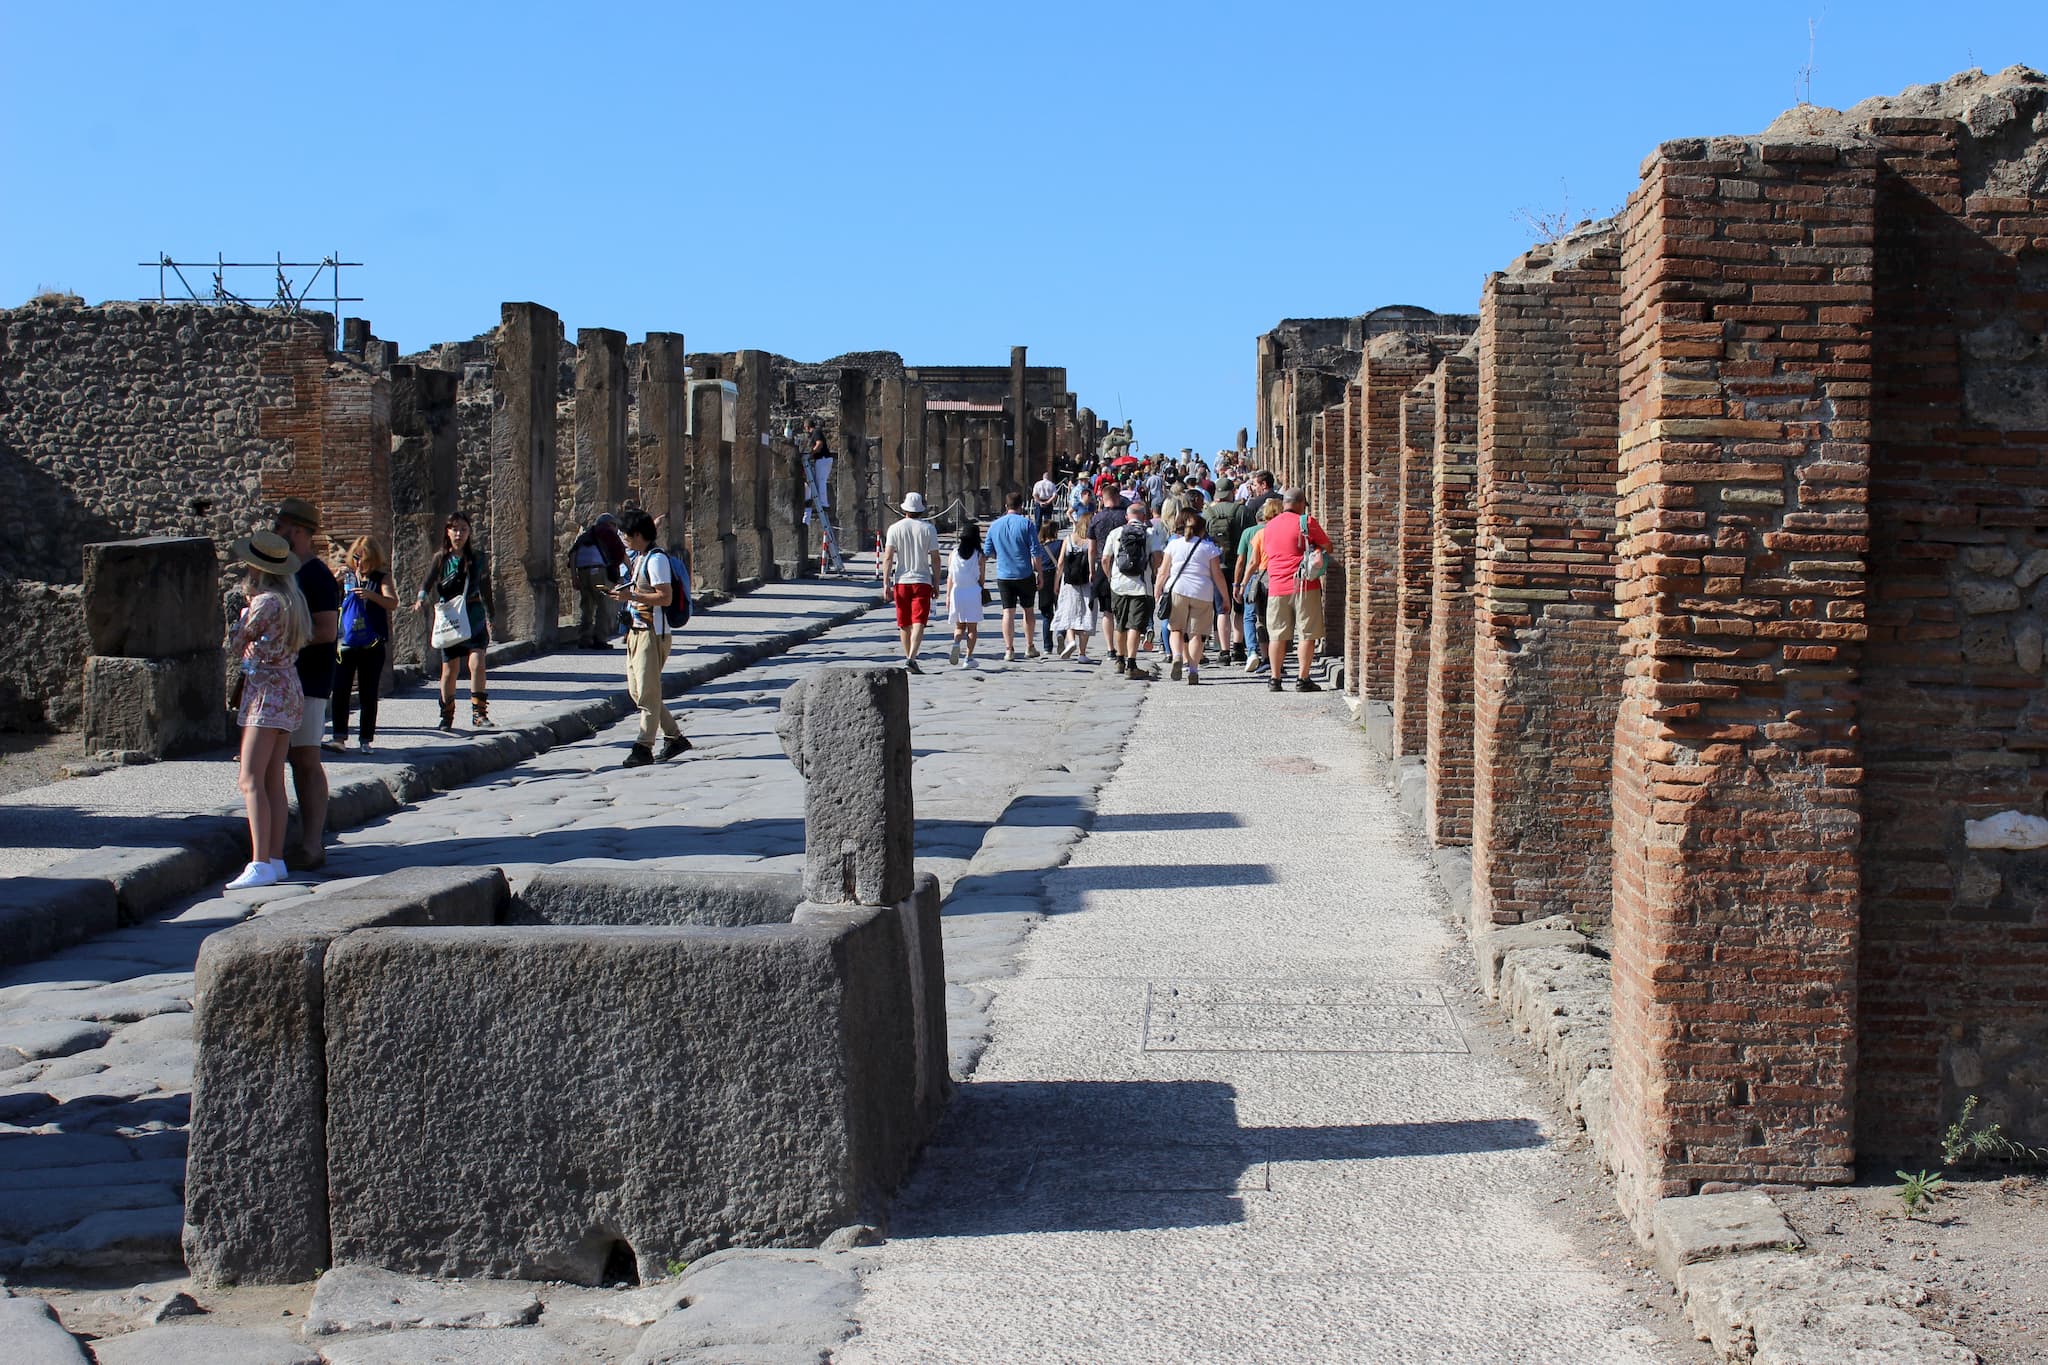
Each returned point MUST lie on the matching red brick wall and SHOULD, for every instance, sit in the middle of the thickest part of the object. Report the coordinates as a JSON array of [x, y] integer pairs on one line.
[[1327, 500], [1447, 805], [338, 426], [1415, 567], [1546, 654], [1744, 434], [1346, 520], [1955, 718], [1392, 366]]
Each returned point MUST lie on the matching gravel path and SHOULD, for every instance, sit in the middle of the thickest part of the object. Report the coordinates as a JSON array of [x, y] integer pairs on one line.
[[1234, 1108]]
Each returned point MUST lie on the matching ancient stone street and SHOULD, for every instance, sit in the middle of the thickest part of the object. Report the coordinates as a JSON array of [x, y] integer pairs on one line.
[[1240, 1104]]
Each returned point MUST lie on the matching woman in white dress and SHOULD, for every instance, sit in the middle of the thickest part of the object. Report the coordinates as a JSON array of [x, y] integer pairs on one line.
[[1075, 614], [964, 574]]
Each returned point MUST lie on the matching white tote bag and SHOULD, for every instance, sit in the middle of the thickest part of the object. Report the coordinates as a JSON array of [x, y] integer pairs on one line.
[[451, 622]]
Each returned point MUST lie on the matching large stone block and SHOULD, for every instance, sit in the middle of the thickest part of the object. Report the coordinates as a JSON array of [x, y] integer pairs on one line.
[[720, 900], [540, 1102], [256, 1171], [41, 914], [848, 732], [159, 706], [148, 598]]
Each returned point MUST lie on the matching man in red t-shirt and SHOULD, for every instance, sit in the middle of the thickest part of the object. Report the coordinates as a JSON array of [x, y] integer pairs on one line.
[[1294, 605]]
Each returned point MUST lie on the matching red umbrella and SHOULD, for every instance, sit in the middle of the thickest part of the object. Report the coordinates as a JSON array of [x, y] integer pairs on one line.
[[1122, 460]]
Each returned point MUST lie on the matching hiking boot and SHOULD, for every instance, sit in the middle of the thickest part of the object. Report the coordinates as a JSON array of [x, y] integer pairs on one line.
[[447, 716], [1194, 676], [678, 744], [1308, 685], [1137, 674], [1237, 654], [639, 756], [1034, 651], [480, 713], [1175, 673], [1272, 684]]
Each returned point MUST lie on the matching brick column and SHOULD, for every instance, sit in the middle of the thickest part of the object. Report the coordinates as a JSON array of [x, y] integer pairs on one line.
[[1393, 364], [1346, 510], [714, 559], [1015, 458], [917, 474], [1745, 388], [1326, 501], [423, 439], [600, 470], [664, 418], [752, 467], [1546, 665], [522, 522], [1415, 567], [1447, 797], [894, 452]]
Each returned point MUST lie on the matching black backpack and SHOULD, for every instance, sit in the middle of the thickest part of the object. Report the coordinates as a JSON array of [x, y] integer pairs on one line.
[[1133, 551]]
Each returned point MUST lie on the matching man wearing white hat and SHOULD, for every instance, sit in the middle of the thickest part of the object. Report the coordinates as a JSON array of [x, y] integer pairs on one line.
[[910, 573]]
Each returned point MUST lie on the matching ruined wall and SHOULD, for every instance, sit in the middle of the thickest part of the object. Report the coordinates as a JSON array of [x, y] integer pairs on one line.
[[1415, 556], [1454, 513], [42, 654], [1394, 364], [143, 419], [1546, 653]]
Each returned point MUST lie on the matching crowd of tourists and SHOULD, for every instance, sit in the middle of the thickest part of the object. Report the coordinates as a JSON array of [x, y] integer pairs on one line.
[[1168, 554]]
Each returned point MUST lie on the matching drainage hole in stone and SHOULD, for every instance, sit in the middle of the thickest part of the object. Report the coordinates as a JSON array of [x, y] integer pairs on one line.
[[621, 1266]]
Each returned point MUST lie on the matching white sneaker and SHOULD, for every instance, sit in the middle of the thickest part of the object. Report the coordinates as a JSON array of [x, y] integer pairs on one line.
[[953, 654], [1066, 650], [284, 873], [253, 876]]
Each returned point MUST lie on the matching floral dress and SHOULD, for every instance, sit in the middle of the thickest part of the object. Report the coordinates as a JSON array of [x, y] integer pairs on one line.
[[271, 696]]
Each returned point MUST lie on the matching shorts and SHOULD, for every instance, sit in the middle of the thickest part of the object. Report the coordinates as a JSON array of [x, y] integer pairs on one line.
[[1132, 610], [1298, 616], [312, 725], [1193, 617], [913, 605], [1100, 588], [1017, 592]]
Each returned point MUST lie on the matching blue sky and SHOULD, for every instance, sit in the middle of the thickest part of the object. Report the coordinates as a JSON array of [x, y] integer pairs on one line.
[[1133, 191]]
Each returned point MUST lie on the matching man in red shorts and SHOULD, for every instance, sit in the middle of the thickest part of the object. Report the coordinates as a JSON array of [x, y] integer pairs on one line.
[[910, 571]]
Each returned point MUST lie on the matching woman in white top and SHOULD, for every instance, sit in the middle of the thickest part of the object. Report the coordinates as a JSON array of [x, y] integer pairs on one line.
[[1192, 570], [964, 574], [1075, 613]]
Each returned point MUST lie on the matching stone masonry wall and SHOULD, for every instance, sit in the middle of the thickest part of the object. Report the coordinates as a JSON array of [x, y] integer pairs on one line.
[[1393, 365], [1546, 656]]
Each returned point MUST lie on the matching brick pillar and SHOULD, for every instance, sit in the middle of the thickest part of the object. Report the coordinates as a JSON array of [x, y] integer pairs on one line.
[[601, 472], [1447, 797], [423, 441], [1393, 364], [917, 475], [664, 418], [1346, 509], [1546, 664], [527, 358], [753, 466], [1415, 566], [898, 474], [1326, 500], [714, 558], [1745, 401]]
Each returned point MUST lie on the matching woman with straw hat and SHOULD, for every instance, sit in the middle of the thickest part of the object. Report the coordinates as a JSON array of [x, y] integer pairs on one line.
[[267, 639]]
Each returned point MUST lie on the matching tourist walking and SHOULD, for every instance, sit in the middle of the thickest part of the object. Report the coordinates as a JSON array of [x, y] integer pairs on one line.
[[1075, 616], [1251, 585], [367, 602], [910, 572], [1013, 538], [966, 582], [649, 591], [1294, 586], [595, 558], [1044, 495], [1225, 518], [1111, 514], [1131, 557], [297, 520], [818, 493], [268, 700], [1046, 564], [1190, 584], [456, 599]]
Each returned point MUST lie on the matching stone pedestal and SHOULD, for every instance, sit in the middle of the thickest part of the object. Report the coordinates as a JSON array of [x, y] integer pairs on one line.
[[160, 707], [848, 732], [155, 682]]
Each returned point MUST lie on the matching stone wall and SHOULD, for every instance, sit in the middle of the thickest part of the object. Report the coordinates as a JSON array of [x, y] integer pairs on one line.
[[1447, 793], [1415, 557], [42, 654]]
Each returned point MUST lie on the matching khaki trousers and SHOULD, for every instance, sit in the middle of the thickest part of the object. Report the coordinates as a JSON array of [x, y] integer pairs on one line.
[[646, 653]]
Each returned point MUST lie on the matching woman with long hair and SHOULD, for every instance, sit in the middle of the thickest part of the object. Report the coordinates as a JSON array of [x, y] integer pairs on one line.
[[267, 639], [461, 573], [965, 579], [1191, 580], [1075, 612], [366, 606]]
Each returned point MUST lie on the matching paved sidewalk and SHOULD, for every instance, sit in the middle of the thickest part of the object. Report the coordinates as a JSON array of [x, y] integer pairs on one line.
[[95, 1042], [1238, 1106], [161, 830]]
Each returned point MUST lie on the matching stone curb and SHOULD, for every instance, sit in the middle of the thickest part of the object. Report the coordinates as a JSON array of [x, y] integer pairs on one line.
[[1734, 1261], [100, 890]]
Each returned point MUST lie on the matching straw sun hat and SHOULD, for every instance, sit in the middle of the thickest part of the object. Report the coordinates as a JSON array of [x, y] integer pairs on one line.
[[265, 550]]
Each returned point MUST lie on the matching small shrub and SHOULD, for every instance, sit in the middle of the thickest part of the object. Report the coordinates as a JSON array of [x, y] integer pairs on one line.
[[1967, 1142], [1920, 1188]]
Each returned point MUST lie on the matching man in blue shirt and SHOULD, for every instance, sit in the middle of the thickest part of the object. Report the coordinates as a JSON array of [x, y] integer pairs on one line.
[[1013, 539]]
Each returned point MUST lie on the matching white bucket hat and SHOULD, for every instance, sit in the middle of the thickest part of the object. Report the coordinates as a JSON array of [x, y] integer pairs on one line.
[[913, 503]]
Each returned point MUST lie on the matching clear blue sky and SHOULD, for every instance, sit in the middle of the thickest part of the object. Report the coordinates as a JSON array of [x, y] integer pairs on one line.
[[1133, 191]]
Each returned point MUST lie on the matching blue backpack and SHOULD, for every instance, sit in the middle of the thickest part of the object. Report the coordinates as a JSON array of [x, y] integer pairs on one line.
[[358, 631]]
